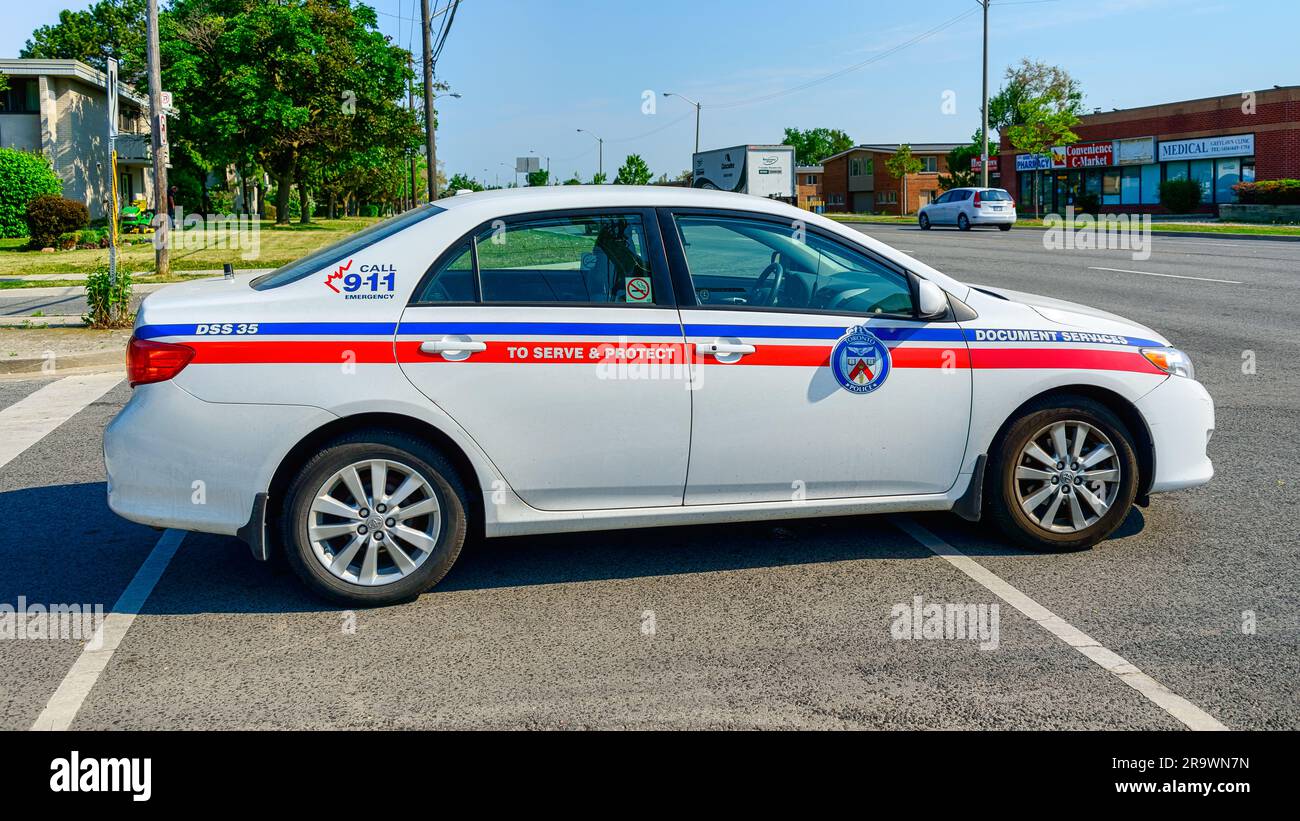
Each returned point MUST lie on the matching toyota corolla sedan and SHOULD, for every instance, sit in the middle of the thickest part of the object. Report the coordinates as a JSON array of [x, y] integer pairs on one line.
[[583, 358]]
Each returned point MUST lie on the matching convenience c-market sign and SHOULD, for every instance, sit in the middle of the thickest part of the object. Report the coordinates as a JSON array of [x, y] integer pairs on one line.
[[1234, 145]]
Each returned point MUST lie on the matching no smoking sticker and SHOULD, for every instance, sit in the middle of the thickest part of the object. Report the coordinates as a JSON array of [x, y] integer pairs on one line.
[[637, 289]]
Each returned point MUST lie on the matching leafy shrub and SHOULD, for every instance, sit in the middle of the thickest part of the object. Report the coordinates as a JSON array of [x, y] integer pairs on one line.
[[24, 176], [1180, 196], [85, 238], [370, 210], [109, 302], [50, 215], [1268, 192]]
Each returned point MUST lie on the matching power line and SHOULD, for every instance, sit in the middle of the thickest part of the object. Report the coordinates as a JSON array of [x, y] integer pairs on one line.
[[849, 69]]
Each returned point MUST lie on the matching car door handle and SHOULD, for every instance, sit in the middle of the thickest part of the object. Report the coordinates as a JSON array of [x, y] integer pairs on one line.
[[452, 348], [723, 348]]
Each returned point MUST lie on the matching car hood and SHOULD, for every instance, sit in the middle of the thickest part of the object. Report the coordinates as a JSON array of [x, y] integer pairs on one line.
[[1074, 315]]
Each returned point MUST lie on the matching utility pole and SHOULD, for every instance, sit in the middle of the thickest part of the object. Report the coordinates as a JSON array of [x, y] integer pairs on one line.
[[984, 133], [426, 36], [410, 106], [600, 152], [697, 116], [158, 129]]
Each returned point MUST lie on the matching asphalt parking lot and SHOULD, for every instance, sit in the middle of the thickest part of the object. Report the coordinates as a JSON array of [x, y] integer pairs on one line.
[[784, 625]]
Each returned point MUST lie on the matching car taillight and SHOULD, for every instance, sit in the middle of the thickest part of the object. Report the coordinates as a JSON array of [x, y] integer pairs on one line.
[[977, 199], [148, 361]]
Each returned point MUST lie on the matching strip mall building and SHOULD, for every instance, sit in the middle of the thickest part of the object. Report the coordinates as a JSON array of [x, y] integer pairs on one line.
[[1123, 155]]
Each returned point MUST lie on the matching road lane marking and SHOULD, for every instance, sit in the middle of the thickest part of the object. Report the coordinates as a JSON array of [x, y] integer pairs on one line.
[[1171, 276], [1175, 705], [77, 684], [32, 418]]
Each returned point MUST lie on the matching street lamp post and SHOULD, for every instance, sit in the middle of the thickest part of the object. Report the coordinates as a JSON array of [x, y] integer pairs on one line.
[[600, 152], [984, 134], [697, 115]]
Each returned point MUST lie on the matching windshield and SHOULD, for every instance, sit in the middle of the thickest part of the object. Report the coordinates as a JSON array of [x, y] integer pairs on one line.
[[330, 254], [995, 194]]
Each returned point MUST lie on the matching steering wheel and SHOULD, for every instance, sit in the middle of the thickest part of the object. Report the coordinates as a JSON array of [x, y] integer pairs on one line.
[[776, 273]]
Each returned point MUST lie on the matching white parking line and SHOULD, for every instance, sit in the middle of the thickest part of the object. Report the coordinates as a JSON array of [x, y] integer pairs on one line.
[[76, 685], [31, 418], [1164, 698], [1171, 276]]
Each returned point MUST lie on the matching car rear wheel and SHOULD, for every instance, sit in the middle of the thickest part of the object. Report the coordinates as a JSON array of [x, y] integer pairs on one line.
[[376, 517], [963, 222], [1063, 476], [924, 222]]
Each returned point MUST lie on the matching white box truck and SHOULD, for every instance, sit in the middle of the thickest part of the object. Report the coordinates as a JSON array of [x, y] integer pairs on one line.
[[761, 170]]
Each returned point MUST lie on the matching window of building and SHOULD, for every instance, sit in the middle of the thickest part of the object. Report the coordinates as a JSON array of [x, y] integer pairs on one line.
[[1176, 170], [886, 197], [1150, 183], [1110, 186], [1227, 174], [810, 179], [1203, 172], [929, 165], [22, 97], [1130, 187], [860, 167]]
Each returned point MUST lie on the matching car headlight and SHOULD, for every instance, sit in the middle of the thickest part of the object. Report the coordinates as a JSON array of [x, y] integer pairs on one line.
[[1170, 360]]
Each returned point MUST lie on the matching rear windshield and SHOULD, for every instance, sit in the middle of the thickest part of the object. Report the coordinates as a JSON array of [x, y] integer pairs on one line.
[[330, 254], [995, 194]]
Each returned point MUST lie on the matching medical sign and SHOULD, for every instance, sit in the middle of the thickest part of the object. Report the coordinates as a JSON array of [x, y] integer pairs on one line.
[[1236, 145], [860, 361]]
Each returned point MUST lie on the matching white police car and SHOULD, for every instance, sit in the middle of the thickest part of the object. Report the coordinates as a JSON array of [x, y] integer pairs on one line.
[[579, 358]]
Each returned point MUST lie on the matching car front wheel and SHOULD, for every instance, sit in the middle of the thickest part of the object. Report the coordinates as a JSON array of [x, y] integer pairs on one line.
[[376, 517], [1063, 476], [924, 222]]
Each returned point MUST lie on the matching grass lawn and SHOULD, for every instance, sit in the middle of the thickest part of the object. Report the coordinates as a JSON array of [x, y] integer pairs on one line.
[[276, 245], [1030, 222]]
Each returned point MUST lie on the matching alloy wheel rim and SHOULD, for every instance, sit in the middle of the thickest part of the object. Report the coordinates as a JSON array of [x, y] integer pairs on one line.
[[374, 522], [1067, 476]]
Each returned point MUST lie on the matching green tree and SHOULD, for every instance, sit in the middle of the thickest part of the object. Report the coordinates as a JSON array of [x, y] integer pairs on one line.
[[461, 182], [539, 177], [307, 90], [816, 144], [599, 179], [1027, 80], [1047, 122], [959, 173], [24, 176], [900, 164], [634, 171], [574, 180], [109, 28]]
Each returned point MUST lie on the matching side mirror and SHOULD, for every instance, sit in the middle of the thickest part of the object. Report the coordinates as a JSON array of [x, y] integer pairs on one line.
[[931, 301]]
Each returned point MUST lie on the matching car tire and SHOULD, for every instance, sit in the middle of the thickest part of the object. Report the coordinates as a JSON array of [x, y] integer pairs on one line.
[[963, 222], [924, 222], [1016, 478], [416, 552], [1006, 227]]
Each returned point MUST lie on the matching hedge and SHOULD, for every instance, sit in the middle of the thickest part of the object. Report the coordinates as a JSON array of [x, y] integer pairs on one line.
[[1268, 192], [49, 216], [1180, 196], [24, 176]]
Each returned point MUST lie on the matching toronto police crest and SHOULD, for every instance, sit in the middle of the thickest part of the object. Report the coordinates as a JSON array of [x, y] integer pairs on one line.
[[860, 361]]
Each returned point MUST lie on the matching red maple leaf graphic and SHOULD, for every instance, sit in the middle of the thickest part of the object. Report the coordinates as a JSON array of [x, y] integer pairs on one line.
[[338, 274]]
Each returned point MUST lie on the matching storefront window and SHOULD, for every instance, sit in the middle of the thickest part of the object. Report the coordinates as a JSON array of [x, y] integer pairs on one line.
[[1228, 175], [1203, 172], [1092, 182], [1175, 170], [1130, 186], [1248, 170], [1110, 187], [1151, 184]]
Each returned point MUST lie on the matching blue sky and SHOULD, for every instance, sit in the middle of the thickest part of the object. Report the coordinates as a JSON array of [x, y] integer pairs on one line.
[[534, 71]]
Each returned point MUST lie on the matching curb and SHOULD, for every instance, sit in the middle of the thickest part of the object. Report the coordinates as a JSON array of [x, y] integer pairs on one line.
[[35, 364], [35, 322], [1155, 232]]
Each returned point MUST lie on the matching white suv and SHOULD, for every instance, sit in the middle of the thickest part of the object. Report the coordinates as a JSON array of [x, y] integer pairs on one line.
[[965, 207]]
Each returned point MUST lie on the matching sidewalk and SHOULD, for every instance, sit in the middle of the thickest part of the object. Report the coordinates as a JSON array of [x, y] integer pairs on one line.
[[33, 350], [141, 278]]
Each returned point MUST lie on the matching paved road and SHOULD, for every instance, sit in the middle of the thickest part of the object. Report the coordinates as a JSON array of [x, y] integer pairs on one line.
[[784, 625]]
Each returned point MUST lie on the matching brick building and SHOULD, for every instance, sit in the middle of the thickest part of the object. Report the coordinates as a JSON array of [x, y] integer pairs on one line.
[[1122, 156], [857, 180], [808, 186]]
